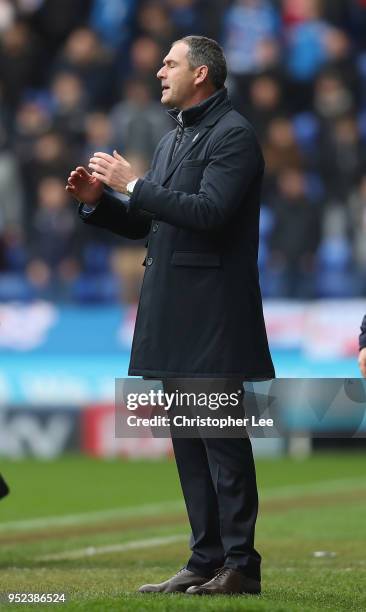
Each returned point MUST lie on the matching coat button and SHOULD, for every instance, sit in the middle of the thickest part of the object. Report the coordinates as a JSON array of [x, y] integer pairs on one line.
[[155, 227], [149, 261]]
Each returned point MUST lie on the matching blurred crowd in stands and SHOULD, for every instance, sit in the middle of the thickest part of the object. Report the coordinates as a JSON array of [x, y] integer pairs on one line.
[[77, 76]]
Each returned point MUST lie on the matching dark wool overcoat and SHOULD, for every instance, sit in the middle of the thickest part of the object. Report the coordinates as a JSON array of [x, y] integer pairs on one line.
[[200, 310]]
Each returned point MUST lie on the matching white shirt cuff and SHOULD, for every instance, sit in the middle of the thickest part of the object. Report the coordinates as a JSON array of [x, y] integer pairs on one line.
[[131, 186]]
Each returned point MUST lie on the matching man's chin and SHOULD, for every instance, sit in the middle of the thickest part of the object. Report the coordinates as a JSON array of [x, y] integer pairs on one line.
[[167, 100]]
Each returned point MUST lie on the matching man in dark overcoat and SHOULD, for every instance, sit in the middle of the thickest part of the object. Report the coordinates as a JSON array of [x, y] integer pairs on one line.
[[200, 311]]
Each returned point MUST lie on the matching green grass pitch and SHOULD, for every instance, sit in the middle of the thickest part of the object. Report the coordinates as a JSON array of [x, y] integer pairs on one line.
[[95, 530]]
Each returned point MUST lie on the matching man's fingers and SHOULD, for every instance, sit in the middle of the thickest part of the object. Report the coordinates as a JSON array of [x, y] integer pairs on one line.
[[104, 156], [71, 190], [74, 175], [99, 161], [118, 156], [82, 172], [98, 168], [100, 177]]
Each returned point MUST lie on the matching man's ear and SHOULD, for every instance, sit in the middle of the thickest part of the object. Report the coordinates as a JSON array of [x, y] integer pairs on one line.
[[201, 74]]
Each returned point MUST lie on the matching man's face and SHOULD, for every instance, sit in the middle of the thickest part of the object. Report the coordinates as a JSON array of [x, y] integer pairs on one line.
[[177, 78]]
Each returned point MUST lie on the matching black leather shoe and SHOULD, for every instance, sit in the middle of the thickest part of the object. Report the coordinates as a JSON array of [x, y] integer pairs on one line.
[[177, 584], [4, 489], [227, 581]]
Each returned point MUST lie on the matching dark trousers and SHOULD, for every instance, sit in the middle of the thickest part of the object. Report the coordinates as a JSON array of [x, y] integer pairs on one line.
[[218, 480]]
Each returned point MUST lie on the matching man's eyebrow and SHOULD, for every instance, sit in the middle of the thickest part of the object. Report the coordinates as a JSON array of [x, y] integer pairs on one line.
[[169, 61]]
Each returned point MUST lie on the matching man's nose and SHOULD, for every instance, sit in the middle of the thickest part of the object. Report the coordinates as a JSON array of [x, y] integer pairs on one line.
[[160, 74]]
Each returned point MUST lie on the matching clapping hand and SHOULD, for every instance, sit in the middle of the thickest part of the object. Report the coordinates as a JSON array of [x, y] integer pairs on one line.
[[114, 171], [84, 187]]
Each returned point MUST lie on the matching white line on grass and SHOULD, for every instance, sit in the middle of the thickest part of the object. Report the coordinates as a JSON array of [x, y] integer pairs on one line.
[[113, 548], [176, 506], [93, 517]]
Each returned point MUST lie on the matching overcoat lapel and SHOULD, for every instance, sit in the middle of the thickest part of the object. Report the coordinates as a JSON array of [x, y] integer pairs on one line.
[[195, 138], [187, 146], [164, 160]]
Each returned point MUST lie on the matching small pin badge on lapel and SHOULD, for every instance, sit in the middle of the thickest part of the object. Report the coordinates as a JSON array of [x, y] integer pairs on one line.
[[195, 138]]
